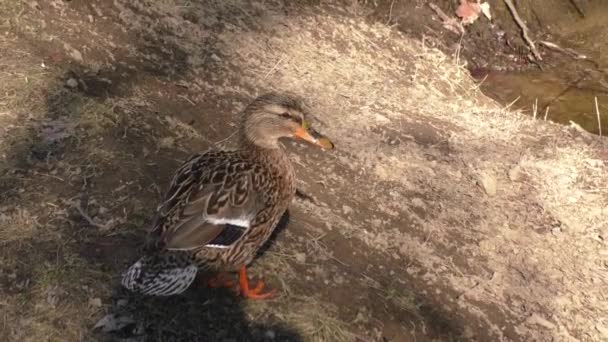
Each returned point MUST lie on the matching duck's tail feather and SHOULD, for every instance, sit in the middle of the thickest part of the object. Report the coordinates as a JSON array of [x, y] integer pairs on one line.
[[160, 275]]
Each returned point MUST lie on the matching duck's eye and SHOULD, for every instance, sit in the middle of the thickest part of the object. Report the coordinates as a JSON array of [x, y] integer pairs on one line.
[[285, 115]]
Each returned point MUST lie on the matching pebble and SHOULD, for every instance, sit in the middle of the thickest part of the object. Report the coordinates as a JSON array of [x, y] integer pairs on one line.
[[270, 334], [95, 302], [300, 257], [515, 173], [346, 209], [72, 83], [488, 183]]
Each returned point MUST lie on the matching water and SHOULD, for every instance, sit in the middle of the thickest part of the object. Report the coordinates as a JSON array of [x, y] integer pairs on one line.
[[568, 88], [561, 97]]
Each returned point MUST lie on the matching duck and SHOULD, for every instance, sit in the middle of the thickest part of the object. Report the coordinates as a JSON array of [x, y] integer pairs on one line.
[[223, 205]]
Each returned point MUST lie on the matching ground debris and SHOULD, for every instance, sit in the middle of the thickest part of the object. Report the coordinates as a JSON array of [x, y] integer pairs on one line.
[[536, 319], [113, 322], [487, 180], [54, 131]]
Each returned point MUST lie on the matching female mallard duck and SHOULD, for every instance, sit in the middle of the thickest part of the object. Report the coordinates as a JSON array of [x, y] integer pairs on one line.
[[222, 206]]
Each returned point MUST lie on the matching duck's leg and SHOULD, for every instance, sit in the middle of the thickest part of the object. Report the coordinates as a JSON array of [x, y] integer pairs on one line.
[[254, 293]]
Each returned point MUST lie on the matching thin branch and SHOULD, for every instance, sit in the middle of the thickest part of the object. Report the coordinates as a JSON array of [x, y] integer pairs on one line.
[[524, 29], [90, 220], [599, 121], [273, 68], [566, 51], [449, 23], [390, 13], [578, 8]]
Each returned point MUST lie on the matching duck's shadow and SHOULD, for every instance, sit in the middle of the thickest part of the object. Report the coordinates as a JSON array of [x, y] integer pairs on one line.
[[199, 314]]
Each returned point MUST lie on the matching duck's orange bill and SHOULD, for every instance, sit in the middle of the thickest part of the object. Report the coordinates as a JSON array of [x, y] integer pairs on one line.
[[314, 138]]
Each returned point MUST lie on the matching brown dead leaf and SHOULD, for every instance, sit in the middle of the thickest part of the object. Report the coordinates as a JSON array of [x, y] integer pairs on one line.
[[468, 11]]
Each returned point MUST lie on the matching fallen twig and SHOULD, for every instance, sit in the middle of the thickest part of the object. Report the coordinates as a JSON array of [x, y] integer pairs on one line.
[[578, 8], [274, 67], [599, 121], [187, 99], [567, 89], [217, 143], [449, 23], [524, 29], [304, 196], [90, 220], [566, 51], [390, 13]]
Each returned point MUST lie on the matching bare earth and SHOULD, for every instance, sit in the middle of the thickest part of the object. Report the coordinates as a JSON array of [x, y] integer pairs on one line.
[[440, 217]]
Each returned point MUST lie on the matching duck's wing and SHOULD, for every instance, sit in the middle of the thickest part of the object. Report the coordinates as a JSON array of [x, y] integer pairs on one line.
[[210, 203]]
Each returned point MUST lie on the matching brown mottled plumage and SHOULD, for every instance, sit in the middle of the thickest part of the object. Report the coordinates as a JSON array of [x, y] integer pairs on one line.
[[222, 206]]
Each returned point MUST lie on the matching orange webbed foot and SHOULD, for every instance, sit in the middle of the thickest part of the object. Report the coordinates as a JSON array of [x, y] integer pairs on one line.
[[252, 293]]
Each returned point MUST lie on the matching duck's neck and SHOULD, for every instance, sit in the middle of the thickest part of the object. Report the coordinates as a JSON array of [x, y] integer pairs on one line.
[[272, 153], [277, 163]]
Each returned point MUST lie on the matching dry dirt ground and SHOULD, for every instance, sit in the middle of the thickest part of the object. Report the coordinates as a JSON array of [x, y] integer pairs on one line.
[[440, 217]]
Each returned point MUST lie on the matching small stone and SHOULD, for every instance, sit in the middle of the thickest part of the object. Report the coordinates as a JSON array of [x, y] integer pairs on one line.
[[167, 142], [346, 209], [538, 320], [95, 302], [72, 83], [34, 5], [360, 318], [75, 54], [270, 334], [112, 322], [488, 183], [515, 173], [121, 302], [145, 152], [300, 257], [604, 234], [419, 203]]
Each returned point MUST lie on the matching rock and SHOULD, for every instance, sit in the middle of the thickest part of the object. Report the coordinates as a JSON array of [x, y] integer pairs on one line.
[[300, 257], [167, 142], [95, 302], [488, 182], [360, 318], [419, 203], [112, 322], [75, 54], [536, 319], [604, 234], [270, 334], [34, 5], [515, 174], [346, 209], [71, 83]]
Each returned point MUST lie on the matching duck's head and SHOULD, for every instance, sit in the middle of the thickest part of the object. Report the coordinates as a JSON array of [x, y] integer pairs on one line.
[[273, 116]]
